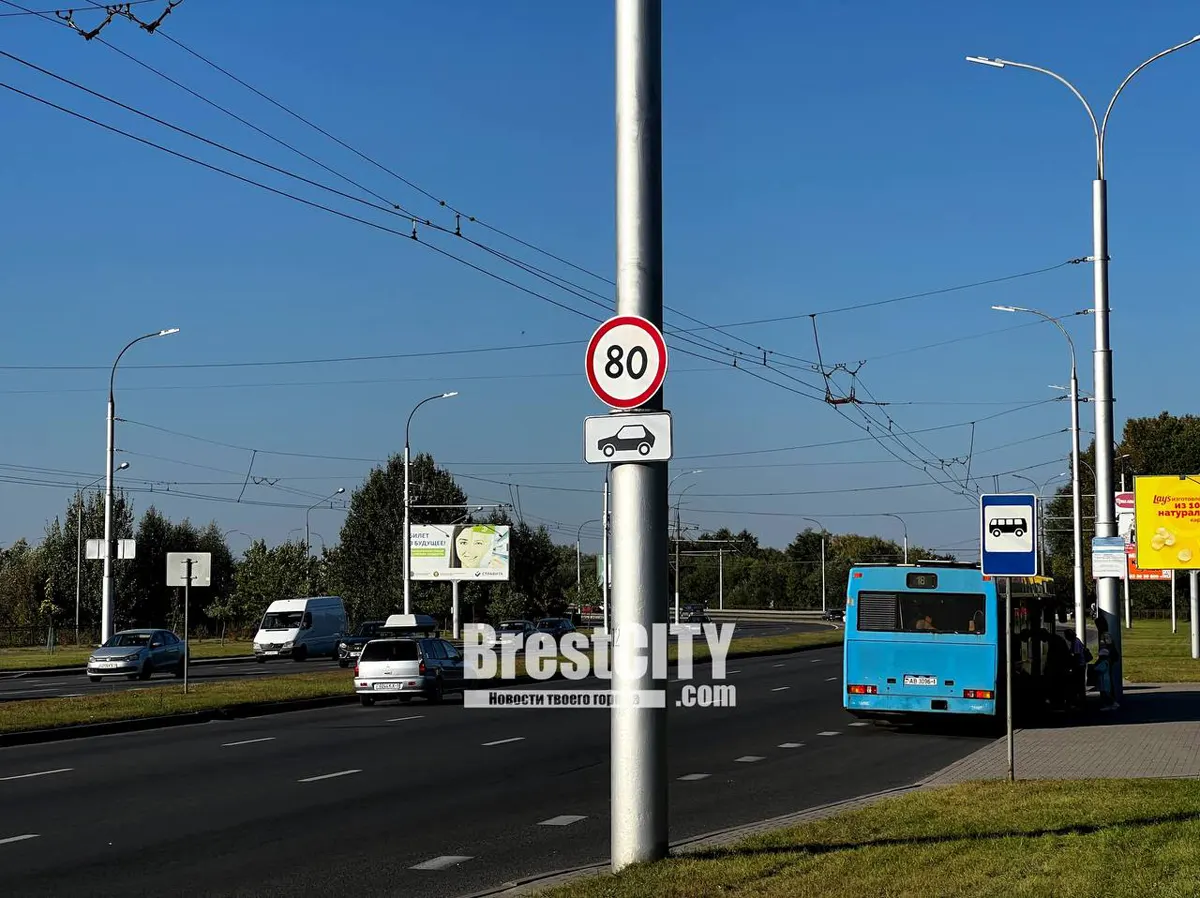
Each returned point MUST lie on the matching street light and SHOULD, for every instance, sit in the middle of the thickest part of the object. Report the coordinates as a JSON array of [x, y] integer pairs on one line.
[[307, 511], [886, 514], [1076, 497], [79, 544], [1038, 490], [407, 426], [822, 526], [1106, 524], [678, 532], [106, 601]]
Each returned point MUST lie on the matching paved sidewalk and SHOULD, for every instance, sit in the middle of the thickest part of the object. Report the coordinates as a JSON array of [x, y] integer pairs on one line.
[[1155, 733]]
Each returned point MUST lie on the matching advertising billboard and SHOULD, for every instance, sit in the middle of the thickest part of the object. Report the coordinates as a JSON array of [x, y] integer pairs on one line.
[[1167, 521], [1136, 573], [458, 552]]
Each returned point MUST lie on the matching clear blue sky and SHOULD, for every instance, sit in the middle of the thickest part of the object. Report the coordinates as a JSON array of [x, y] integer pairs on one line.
[[816, 156]]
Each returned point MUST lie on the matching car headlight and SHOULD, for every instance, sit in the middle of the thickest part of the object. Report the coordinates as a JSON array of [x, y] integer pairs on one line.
[[257, 646], [132, 657], [342, 645], [92, 659], [286, 646]]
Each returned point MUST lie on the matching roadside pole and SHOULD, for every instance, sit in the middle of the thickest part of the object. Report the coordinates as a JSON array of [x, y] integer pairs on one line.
[[721, 578], [1173, 616], [454, 605], [187, 588], [1008, 678], [639, 489], [605, 592], [1194, 611], [188, 569]]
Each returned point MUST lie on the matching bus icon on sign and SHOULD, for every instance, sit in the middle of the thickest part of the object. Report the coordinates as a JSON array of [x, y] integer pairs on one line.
[[1015, 526]]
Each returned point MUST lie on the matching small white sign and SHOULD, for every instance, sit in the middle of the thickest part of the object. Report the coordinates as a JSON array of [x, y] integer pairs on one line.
[[126, 549], [177, 568], [1108, 557], [608, 439], [1008, 528]]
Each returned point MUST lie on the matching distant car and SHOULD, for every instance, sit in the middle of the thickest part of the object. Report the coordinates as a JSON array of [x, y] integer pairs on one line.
[[557, 627], [137, 654], [631, 436], [350, 647], [513, 632], [834, 614], [402, 668], [696, 617]]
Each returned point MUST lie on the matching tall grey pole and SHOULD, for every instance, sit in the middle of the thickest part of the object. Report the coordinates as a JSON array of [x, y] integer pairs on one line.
[[1125, 579], [78, 560], [639, 490], [407, 535], [1076, 508], [677, 564], [1173, 616], [1194, 611], [1008, 677], [606, 570], [454, 606], [187, 588], [824, 606], [721, 578]]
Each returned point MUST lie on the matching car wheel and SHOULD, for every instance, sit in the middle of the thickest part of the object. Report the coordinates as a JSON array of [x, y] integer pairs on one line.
[[609, 450], [367, 700], [643, 448], [260, 660], [94, 679], [404, 699], [178, 671], [300, 654], [342, 663], [435, 695], [145, 672]]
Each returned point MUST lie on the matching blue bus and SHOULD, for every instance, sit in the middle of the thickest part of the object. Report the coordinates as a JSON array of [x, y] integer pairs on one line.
[[927, 640]]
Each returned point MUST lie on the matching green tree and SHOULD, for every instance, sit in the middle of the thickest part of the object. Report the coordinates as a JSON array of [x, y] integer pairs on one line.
[[22, 585], [266, 575]]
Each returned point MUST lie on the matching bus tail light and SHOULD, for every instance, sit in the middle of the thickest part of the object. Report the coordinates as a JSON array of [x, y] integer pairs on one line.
[[862, 690], [978, 693]]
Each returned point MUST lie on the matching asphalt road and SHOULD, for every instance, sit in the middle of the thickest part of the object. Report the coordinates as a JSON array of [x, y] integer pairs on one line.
[[354, 800], [32, 687]]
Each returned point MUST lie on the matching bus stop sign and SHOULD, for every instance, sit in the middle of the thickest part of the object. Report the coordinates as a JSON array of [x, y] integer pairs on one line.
[[1009, 537]]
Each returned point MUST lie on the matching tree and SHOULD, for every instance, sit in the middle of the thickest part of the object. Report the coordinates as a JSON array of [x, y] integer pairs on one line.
[[267, 575], [368, 565], [22, 585]]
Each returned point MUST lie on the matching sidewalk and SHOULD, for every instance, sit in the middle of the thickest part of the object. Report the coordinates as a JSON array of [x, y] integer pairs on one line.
[[1155, 733]]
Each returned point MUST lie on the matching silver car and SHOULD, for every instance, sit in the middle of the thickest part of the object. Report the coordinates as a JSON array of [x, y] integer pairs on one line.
[[137, 654]]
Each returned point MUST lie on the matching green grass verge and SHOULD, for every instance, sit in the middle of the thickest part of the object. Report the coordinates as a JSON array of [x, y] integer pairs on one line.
[[30, 658], [1117, 838], [1153, 654]]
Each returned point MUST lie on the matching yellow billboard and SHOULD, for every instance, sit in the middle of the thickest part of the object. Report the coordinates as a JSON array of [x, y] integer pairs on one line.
[[1166, 512]]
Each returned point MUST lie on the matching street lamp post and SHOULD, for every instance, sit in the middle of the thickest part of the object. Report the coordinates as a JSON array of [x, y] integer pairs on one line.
[[886, 514], [1106, 524], [307, 536], [407, 426], [79, 545], [824, 607], [106, 600], [678, 530], [1076, 496]]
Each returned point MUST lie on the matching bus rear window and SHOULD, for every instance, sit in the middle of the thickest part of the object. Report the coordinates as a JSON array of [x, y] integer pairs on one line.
[[921, 612]]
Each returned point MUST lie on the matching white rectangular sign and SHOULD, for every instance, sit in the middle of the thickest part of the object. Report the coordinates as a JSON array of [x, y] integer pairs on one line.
[[177, 568], [608, 439], [1108, 557], [126, 548], [458, 552]]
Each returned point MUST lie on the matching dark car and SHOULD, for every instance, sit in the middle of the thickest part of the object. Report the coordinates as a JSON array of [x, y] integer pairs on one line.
[[835, 614], [631, 436], [555, 626], [350, 647]]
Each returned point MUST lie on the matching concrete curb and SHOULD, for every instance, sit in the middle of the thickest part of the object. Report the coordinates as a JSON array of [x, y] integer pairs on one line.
[[110, 727], [718, 838]]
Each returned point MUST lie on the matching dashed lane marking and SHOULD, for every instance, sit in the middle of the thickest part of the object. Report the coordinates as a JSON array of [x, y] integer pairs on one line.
[[441, 863], [328, 776], [25, 776], [563, 820], [692, 777]]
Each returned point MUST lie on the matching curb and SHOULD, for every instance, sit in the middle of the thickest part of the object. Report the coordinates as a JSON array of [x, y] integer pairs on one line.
[[65, 671], [533, 884], [111, 727]]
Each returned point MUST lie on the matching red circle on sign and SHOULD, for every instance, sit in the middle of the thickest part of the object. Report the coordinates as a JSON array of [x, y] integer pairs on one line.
[[660, 371]]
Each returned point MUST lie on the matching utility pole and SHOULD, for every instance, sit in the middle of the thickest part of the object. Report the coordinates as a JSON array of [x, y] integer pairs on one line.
[[640, 520], [1125, 580], [605, 576], [721, 578]]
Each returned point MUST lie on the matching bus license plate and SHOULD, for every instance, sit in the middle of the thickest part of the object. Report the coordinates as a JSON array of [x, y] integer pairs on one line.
[[910, 680]]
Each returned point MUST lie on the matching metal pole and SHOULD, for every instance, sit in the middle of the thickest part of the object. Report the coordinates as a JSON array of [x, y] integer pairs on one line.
[[1194, 611], [187, 586], [1008, 677], [721, 578], [605, 575], [78, 561], [1125, 580], [106, 594], [677, 564], [578, 573], [639, 490], [407, 598], [454, 605], [1173, 617], [824, 607], [1076, 508], [906, 546]]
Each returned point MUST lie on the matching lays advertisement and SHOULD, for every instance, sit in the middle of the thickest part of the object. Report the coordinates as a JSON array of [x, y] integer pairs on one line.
[[1167, 521]]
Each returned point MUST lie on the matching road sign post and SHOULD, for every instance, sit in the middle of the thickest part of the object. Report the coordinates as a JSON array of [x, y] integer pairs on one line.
[[1008, 547], [185, 569]]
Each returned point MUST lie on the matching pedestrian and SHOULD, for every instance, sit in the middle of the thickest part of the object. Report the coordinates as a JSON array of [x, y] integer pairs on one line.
[[1105, 668], [1081, 656]]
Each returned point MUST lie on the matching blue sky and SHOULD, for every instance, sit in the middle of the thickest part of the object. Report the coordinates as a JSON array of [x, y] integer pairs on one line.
[[816, 156]]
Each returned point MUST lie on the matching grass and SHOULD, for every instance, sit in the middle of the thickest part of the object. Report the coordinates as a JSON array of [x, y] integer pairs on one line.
[[37, 656], [1069, 839], [1153, 654]]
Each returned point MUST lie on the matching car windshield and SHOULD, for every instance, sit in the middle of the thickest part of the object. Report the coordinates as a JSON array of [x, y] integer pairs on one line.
[[282, 620], [510, 626], [390, 651], [127, 639], [370, 629], [549, 624]]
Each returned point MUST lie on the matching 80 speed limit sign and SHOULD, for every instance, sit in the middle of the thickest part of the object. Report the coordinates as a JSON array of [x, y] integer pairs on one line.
[[626, 361]]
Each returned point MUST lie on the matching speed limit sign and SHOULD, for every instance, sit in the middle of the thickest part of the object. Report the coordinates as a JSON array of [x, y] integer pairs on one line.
[[626, 361]]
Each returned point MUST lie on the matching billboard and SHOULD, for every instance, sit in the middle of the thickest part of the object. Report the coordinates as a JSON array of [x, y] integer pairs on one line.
[[1136, 573], [1167, 521], [458, 552], [1123, 503]]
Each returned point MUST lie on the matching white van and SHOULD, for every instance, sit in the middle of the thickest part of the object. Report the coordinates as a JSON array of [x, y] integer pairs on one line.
[[300, 628]]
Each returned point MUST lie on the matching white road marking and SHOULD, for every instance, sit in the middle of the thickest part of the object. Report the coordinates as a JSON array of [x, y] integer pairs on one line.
[[692, 777], [12, 839], [777, 665], [248, 741], [732, 671], [504, 741], [328, 776], [749, 759], [71, 695], [861, 723], [441, 863], [791, 745], [401, 719], [830, 679], [25, 776], [563, 820], [816, 660], [829, 733], [780, 688]]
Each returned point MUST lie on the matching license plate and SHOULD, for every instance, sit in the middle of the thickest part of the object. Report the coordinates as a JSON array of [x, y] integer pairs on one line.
[[270, 652], [910, 680], [106, 665], [387, 686]]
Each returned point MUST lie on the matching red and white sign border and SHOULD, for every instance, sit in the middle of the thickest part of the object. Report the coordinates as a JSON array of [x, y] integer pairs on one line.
[[659, 376]]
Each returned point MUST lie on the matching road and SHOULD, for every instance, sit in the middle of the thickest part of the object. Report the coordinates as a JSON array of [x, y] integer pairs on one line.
[[33, 687], [354, 800]]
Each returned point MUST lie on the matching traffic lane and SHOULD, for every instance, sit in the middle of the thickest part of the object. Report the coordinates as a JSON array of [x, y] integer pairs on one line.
[[75, 685], [559, 768]]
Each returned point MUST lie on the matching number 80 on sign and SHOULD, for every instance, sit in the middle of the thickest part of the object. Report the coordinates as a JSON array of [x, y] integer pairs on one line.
[[626, 361]]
